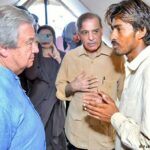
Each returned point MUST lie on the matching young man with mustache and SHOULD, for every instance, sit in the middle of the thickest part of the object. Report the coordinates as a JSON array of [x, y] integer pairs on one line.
[[130, 23]]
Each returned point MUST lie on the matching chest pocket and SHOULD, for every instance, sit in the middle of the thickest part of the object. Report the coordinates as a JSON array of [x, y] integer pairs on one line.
[[109, 87]]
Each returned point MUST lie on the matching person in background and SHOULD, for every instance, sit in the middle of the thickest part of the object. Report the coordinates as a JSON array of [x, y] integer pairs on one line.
[[130, 36], [70, 37], [71, 40], [20, 124], [42, 75], [90, 67]]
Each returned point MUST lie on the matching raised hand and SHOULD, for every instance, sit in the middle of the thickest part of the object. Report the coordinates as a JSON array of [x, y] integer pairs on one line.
[[84, 83], [55, 53], [99, 105]]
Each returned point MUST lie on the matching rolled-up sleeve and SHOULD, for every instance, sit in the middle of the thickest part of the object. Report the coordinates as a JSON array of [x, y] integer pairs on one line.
[[133, 134], [62, 80]]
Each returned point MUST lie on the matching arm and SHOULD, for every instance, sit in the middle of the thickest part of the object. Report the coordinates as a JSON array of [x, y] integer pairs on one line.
[[81, 83], [68, 83], [62, 80], [134, 135]]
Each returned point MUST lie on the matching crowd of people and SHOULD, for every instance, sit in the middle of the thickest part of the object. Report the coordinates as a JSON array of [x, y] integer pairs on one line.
[[105, 94]]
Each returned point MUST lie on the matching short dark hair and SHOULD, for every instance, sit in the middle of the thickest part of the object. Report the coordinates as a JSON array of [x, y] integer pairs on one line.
[[86, 16], [135, 12], [50, 29]]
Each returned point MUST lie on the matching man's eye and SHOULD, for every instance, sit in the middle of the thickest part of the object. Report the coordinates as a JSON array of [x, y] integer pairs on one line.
[[95, 31], [29, 42], [118, 29], [84, 32]]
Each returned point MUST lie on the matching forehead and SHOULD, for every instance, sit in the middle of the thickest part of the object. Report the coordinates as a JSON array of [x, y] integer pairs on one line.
[[90, 24], [45, 31], [26, 30], [119, 22]]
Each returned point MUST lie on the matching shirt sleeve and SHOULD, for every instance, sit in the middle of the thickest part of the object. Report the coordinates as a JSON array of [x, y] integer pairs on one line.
[[62, 80], [5, 130], [132, 134]]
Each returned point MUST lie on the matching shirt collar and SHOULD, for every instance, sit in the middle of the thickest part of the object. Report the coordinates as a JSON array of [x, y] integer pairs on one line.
[[8, 72], [135, 63], [103, 50]]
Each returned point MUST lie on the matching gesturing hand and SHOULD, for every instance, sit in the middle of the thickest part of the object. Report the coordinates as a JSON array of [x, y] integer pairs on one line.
[[99, 105], [84, 83]]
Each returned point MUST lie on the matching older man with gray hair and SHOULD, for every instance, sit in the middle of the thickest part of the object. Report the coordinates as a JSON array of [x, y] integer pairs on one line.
[[20, 125]]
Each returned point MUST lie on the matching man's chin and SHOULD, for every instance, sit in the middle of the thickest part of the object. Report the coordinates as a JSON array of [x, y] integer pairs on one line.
[[117, 52], [30, 65], [91, 49]]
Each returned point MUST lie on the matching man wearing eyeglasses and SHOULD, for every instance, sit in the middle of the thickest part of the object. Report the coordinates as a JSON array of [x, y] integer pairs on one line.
[[90, 67]]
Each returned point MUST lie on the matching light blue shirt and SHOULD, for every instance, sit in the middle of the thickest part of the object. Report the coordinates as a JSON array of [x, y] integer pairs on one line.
[[20, 125]]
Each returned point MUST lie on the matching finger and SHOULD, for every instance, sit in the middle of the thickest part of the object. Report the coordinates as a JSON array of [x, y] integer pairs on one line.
[[106, 98], [93, 85], [93, 80], [93, 96], [96, 117], [104, 119], [96, 112], [90, 95], [50, 54]]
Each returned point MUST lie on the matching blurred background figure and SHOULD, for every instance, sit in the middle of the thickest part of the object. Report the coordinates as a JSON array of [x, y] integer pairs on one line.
[[42, 75], [70, 36]]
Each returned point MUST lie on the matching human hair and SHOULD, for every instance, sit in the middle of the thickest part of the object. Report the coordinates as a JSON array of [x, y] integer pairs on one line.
[[135, 12], [50, 29], [10, 20], [85, 17]]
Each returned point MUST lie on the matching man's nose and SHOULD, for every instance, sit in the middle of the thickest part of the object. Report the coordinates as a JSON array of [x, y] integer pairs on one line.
[[90, 36], [113, 35], [35, 48]]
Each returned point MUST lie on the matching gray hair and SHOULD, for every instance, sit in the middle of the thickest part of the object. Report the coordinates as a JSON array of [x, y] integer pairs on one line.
[[10, 20]]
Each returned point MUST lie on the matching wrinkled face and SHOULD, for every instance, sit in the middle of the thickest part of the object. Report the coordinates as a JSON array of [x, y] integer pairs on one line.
[[48, 33], [23, 56], [124, 39], [91, 34]]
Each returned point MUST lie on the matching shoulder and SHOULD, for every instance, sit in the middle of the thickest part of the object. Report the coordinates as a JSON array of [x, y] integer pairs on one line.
[[73, 53]]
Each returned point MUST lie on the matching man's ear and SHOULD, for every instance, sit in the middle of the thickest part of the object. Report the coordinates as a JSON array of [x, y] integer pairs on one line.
[[141, 33], [3, 51]]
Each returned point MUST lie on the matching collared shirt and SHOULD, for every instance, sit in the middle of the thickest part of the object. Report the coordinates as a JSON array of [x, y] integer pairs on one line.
[[132, 123], [20, 125], [83, 131]]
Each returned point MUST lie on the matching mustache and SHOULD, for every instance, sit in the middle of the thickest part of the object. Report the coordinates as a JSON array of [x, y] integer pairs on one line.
[[92, 42], [114, 42]]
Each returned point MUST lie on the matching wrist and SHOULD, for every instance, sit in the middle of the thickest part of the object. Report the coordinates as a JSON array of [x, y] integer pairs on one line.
[[69, 90]]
